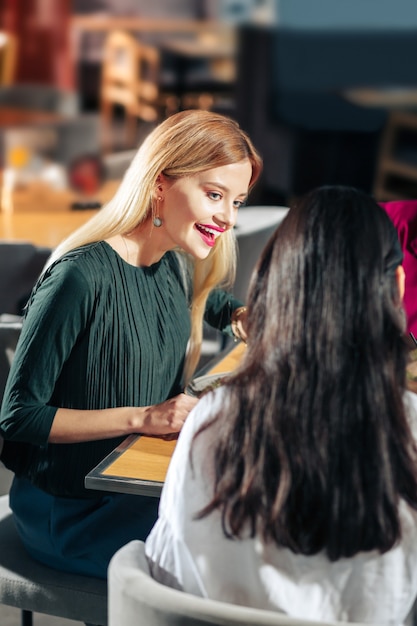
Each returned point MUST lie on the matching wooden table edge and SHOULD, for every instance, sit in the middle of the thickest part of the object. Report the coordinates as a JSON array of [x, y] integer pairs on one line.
[[97, 480]]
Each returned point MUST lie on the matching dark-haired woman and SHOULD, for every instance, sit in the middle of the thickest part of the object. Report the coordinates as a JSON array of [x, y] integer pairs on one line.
[[294, 486]]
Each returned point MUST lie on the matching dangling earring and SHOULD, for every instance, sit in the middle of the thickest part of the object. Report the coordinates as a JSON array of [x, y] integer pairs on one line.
[[157, 220]]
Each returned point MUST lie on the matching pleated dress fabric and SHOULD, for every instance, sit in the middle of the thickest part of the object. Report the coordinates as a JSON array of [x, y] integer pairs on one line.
[[98, 333]]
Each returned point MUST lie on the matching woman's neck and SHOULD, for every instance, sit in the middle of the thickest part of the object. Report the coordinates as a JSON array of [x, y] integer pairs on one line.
[[142, 247]]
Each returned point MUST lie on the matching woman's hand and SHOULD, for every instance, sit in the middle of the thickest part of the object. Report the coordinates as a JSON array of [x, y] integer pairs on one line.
[[238, 323], [167, 417]]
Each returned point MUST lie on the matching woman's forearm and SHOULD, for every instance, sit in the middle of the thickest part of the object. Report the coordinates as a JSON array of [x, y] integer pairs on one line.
[[74, 426]]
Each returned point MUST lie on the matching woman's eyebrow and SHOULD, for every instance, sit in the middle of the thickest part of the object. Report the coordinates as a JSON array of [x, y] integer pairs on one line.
[[243, 194], [216, 183]]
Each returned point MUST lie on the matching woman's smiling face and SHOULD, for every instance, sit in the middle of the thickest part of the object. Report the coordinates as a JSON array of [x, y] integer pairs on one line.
[[197, 209]]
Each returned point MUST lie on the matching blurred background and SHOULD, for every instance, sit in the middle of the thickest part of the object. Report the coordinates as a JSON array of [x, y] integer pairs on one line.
[[327, 90]]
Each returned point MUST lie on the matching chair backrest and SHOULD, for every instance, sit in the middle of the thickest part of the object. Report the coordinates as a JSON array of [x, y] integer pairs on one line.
[[8, 52], [9, 334], [136, 599], [254, 227], [130, 75], [10, 327], [20, 266]]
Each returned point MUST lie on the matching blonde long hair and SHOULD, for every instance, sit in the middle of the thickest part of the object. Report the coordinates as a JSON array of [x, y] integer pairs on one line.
[[184, 144]]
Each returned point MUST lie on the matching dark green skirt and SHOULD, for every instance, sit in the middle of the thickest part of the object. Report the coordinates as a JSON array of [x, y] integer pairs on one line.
[[79, 535]]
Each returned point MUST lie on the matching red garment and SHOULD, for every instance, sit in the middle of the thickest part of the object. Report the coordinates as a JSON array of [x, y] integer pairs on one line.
[[403, 214]]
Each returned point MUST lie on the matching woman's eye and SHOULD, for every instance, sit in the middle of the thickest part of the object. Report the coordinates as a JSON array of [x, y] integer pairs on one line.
[[238, 204], [214, 195]]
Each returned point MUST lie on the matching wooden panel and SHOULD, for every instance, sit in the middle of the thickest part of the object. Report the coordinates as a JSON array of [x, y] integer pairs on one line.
[[43, 217], [41, 228], [147, 457]]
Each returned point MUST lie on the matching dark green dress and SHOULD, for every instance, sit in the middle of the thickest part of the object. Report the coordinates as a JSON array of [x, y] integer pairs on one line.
[[98, 333]]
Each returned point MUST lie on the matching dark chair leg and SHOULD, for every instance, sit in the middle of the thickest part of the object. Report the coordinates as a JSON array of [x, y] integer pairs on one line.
[[27, 618]]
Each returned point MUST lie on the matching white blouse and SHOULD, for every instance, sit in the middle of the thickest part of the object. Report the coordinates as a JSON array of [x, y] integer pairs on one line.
[[195, 556]]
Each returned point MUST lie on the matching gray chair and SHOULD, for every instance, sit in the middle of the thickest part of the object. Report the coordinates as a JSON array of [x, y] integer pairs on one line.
[[255, 225], [24, 583], [32, 587], [135, 599]]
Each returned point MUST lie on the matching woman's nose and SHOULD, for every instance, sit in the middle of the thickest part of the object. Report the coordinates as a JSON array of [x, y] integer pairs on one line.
[[226, 218]]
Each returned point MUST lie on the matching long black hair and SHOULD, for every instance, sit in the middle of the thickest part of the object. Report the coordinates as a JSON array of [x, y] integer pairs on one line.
[[314, 450]]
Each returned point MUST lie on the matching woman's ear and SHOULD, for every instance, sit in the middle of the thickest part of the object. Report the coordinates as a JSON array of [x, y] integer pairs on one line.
[[160, 180], [400, 277]]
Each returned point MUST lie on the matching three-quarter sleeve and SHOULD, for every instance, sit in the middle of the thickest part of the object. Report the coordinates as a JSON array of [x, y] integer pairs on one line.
[[54, 320], [219, 308]]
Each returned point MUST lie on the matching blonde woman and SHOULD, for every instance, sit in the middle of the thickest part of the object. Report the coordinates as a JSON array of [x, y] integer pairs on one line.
[[113, 331]]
